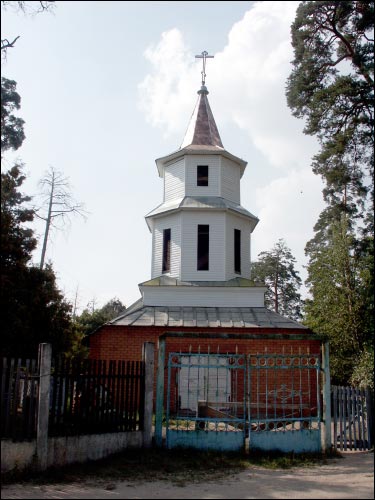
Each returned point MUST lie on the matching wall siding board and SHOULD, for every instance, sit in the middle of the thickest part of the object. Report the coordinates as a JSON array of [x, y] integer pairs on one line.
[[216, 221], [213, 162], [233, 222], [230, 176], [174, 181], [174, 223]]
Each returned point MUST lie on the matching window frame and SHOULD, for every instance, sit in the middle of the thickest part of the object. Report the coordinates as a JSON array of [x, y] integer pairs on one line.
[[237, 251], [166, 252], [202, 177], [203, 247]]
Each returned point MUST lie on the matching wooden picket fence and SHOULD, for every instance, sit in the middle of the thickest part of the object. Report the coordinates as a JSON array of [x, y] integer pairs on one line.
[[95, 396], [352, 412], [19, 392], [86, 397]]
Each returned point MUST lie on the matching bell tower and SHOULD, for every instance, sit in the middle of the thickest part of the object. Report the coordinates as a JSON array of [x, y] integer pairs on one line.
[[200, 232]]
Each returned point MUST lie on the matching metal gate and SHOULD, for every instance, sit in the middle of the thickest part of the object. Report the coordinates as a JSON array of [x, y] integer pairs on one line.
[[228, 401], [206, 403], [284, 407], [352, 411]]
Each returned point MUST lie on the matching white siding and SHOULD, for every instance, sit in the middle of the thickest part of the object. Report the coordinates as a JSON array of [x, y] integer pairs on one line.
[[230, 180], [216, 221], [213, 162], [174, 223], [174, 181], [232, 223], [191, 296]]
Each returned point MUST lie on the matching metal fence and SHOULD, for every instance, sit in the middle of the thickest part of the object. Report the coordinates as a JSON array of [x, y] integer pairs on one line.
[[352, 410]]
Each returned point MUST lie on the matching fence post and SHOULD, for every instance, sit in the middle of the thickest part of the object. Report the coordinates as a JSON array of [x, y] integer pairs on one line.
[[160, 395], [44, 363], [327, 439], [148, 358]]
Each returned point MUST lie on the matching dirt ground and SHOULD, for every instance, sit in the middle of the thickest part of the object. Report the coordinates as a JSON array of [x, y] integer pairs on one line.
[[349, 477]]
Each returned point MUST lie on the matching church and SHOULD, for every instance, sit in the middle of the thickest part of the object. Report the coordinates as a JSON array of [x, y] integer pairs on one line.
[[223, 363], [201, 269]]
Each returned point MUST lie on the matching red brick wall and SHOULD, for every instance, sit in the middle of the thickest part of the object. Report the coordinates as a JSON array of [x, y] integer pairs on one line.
[[123, 342]]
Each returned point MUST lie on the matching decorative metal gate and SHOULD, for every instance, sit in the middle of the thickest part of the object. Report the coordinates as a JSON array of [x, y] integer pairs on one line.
[[206, 401], [284, 407], [218, 401]]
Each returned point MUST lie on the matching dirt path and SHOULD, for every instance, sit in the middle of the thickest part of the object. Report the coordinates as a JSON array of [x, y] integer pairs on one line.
[[349, 477]]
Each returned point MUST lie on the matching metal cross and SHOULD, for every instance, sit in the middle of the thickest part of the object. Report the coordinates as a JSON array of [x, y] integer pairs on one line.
[[204, 56]]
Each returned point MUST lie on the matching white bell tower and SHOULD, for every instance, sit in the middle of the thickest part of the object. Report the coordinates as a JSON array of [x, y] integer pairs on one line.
[[200, 232]]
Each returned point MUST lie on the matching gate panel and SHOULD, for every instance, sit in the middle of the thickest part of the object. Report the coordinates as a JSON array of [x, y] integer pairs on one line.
[[284, 410], [206, 404]]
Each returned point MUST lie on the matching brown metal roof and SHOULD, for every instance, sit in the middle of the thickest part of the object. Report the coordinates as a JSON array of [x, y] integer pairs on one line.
[[202, 129]]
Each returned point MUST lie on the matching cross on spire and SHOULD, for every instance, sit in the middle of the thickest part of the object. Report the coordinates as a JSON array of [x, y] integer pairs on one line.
[[204, 56]]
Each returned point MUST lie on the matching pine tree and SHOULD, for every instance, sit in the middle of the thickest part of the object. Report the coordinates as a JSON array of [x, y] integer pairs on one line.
[[276, 269], [331, 87]]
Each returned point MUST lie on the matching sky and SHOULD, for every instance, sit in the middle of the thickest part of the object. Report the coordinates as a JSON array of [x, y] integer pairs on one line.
[[108, 87]]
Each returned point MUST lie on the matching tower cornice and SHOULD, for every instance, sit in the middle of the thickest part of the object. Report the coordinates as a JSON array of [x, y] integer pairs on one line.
[[198, 150]]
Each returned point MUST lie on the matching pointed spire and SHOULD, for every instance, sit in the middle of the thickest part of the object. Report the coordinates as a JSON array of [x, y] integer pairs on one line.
[[202, 129]]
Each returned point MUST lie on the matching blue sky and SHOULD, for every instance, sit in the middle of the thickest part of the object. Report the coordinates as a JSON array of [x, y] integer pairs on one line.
[[108, 87]]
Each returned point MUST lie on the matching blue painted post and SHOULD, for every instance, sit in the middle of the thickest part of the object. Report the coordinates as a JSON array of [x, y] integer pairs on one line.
[[160, 395], [327, 441]]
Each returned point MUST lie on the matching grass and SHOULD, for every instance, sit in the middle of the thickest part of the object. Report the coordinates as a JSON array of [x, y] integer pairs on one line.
[[180, 467]]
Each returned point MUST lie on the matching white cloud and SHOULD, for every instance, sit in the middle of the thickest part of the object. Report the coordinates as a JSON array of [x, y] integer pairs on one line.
[[288, 208], [247, 80]]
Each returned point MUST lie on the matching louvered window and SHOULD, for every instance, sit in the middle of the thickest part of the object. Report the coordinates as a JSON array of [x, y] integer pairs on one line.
[[237, 251], [202, 175], [166, 251], [203, 247]]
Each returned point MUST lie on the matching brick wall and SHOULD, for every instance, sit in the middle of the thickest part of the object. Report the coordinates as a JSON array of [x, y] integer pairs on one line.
[[125, 342]]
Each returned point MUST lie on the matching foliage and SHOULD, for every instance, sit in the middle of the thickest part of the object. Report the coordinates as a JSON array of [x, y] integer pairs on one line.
[[89, 321], [33, 308], [276, 269], [17, 241], [363, 373], [12, 133], [338, 308], [331, 87]]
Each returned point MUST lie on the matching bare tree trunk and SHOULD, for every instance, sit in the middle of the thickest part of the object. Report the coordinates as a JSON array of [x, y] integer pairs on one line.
[[48, 222]]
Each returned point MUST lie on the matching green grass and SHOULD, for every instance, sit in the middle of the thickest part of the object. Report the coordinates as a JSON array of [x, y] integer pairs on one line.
[[180, 467]]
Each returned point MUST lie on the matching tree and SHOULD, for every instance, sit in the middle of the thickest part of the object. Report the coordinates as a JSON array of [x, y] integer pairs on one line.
[[331, 87], [337, 308], [276, 269], [33, 309], [12, 133], [30, 8], [90, 320], [57, 204]]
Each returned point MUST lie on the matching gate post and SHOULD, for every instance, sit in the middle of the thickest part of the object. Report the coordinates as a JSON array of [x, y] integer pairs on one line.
[[44, 363], [327, 440], [148, 358], [160, 395]]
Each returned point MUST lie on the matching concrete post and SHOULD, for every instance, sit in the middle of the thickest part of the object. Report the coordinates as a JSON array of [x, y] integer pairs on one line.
[[160, 395], [44, 363], [148, 358], [327, 438]]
